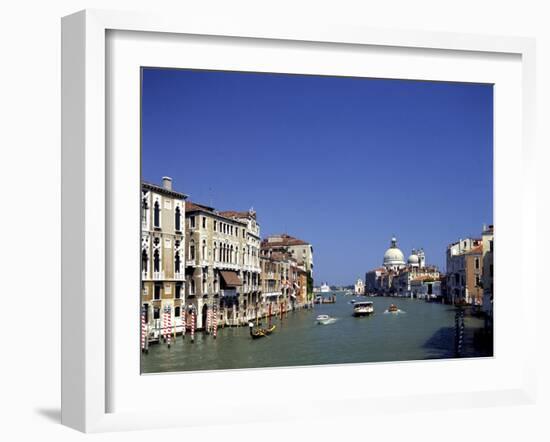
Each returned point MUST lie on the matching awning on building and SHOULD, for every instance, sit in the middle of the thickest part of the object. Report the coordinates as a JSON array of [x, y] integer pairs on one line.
[[231, 278]]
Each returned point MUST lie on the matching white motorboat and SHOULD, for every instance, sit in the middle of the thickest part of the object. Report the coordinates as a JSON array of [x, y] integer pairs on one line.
[[324, 319], [363, 308]]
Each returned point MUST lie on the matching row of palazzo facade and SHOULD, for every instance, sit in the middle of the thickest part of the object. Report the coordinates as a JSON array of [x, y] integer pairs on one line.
[[205, 268]]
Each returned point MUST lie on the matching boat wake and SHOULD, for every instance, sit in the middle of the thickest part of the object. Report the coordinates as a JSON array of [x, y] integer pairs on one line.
[[398, 312], [327, 321]]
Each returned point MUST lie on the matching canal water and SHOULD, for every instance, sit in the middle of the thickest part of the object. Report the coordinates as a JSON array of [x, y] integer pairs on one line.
[[420, 331]]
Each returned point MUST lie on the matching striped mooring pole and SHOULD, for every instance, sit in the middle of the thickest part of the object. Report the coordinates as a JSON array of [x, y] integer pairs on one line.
[[215, 321], [143, 330], [459, 331], [208, 327], [167, 326], [163, 325], [193, 324], [183, 323]]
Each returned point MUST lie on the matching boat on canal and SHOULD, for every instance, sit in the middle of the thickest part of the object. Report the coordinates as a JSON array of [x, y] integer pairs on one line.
[[393, 308], [325, 300], [256, 333], [325, 319], [363, 308], [260, 332]]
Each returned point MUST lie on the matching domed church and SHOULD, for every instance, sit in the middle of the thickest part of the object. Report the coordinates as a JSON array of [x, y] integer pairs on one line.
[[394, 258]]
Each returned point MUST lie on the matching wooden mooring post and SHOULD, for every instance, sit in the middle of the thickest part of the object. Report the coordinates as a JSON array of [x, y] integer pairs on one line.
[[459, 331]]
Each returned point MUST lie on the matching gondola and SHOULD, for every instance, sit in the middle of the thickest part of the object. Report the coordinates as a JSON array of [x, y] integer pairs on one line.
[[268, 331], [256, 333]]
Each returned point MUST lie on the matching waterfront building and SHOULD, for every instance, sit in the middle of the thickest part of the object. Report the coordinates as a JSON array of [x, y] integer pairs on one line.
[[402, 281], [373, 279], [487, 239], [250, 252], [396, 276], [301, 288], [464, 270], [222, 265], [162, 253], [271, 264], [359, 288], [426, 287], [299, 250]]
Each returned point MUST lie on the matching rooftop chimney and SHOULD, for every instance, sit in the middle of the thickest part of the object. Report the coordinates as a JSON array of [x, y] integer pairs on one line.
[[167, 182]]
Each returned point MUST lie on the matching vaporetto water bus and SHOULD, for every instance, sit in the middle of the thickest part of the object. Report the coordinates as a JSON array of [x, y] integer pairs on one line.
[[363, 308]]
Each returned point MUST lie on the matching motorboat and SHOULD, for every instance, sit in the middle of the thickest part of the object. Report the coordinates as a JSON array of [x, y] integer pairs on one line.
[[363, 308], [324, 319], [393, 308]]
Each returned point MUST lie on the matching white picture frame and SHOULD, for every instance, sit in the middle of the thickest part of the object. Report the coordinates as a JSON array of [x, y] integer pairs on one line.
[[87, 354]]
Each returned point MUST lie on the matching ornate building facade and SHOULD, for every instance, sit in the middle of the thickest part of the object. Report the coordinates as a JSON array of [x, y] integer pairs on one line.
[[162, 253], [222, 263]]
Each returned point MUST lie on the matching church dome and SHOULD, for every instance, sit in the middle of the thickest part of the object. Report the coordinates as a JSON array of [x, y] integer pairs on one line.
[[394, 256], [413, 259]]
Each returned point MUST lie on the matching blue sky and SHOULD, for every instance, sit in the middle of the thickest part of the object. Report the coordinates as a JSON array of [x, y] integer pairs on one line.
[[344, 163]]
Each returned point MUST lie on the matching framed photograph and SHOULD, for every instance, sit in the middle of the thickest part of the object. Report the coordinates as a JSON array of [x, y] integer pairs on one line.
[[251, 209]]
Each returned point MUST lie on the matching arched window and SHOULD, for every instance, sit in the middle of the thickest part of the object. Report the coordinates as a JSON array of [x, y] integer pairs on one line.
[[156, 214], [192, 249], [177, 262], [192, 286], [204, 257], [215, 251], [144, 208], [156, 261], [178, 219], [144, 261]]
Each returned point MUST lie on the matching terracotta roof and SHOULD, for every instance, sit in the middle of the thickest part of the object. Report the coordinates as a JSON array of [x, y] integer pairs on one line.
[[237, 214], [193, 207], [282, 240]]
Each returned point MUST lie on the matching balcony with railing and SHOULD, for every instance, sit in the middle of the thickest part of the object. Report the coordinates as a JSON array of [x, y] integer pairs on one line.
[[197, 263], [226, 265], [158, 276]]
